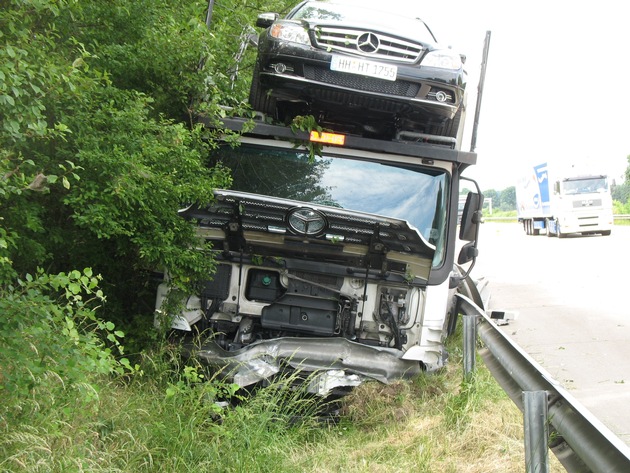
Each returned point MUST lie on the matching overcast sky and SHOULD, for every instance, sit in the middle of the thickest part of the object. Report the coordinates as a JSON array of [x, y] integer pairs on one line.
[[557, 83]]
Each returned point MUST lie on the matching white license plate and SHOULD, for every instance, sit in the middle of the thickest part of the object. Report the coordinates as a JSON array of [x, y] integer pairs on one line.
[[364, 68]]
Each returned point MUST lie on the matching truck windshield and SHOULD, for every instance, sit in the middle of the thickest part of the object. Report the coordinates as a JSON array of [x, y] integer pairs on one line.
[[412, 193], [585, 185]]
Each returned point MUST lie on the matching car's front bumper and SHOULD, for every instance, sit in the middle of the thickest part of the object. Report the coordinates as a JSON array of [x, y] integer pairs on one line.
[[308, 77]]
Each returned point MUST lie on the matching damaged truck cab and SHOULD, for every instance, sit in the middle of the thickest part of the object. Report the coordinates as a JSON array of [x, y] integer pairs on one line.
[[339, 265]]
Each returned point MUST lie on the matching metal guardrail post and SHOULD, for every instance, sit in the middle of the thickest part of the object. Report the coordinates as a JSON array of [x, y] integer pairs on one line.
[[536, 431], [582, 443], [470, 344]]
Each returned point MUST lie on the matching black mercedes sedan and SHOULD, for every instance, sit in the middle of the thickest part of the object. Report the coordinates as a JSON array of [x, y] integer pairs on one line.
[[360, 66]]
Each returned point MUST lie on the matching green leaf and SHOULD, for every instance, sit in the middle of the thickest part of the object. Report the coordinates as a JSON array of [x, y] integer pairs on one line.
[[74, 288]]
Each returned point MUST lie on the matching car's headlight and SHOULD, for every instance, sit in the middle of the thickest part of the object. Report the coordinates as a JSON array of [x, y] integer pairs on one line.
[[443, 59], [290, 32]]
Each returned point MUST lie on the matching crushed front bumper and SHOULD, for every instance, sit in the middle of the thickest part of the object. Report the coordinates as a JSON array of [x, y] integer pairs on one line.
[[336, 362]]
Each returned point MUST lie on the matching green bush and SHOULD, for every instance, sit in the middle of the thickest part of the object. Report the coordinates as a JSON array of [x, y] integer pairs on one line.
[[620, 208], [49, 333]]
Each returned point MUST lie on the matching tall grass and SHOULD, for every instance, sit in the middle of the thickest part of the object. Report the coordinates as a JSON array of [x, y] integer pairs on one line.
[[168, 417]]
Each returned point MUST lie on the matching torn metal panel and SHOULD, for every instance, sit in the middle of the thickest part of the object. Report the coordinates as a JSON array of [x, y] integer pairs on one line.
[[263, 359]]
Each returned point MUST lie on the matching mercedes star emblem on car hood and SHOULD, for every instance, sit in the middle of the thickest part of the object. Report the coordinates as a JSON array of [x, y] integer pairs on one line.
[[368, 42]]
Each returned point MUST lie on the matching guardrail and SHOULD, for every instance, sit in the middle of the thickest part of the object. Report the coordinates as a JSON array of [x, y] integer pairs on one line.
[[578, 439]]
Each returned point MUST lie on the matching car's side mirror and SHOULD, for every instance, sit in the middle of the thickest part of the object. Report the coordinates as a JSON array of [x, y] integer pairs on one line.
[[265, 20]]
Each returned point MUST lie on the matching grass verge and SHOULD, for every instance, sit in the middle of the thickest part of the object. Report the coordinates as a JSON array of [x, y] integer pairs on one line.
[[167, 419]]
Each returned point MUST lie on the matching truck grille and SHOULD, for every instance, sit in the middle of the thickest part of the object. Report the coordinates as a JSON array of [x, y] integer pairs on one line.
[[236, 211], [578, 204], [347, 40], [357, 82]]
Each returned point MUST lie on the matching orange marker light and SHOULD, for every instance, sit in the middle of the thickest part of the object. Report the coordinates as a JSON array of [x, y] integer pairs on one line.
[[328, 138]]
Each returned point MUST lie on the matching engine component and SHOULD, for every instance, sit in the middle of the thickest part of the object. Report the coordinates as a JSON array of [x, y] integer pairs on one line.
[[393, 305], [302, 314], [263, 285]]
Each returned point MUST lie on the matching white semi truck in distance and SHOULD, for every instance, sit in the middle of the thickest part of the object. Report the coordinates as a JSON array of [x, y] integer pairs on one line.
[[556, 203]]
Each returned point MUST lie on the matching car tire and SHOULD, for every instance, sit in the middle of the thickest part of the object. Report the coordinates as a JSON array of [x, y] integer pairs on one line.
[[452, 127], [259, 98]]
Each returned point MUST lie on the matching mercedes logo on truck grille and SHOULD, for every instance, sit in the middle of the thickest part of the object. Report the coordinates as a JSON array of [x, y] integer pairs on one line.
[[368, 42], [306, 221]]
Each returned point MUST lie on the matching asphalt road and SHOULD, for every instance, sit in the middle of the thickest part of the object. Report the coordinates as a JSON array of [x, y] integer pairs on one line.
[[573, 314]]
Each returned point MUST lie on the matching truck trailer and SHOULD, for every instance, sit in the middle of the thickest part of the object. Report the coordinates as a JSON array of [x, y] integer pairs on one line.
[[557, 203]]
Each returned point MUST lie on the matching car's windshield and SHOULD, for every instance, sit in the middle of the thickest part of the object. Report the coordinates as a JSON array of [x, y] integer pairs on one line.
[[363, 14], [584, 186], [412, 193]]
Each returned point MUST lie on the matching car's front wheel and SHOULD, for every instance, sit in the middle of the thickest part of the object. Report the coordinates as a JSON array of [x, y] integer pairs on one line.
[[259, 98], [452, 126]]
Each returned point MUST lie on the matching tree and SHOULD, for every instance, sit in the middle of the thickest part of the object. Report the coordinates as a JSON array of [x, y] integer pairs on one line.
[[494, 195], [508, 198], [621, 192], [233, 28], [504, 200], [96, 158], [100, 146]]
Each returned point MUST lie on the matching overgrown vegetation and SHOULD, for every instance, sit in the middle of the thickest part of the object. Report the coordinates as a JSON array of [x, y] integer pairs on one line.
[[621, 194], [165, 417]]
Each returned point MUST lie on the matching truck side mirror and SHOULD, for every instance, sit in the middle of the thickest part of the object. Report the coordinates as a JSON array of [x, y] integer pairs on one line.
[[471, 217], [469, 231], [468, 252]]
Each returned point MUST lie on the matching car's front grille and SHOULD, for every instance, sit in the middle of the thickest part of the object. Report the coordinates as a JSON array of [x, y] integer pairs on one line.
[[369, 44], [358, 82], [367, 102]]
